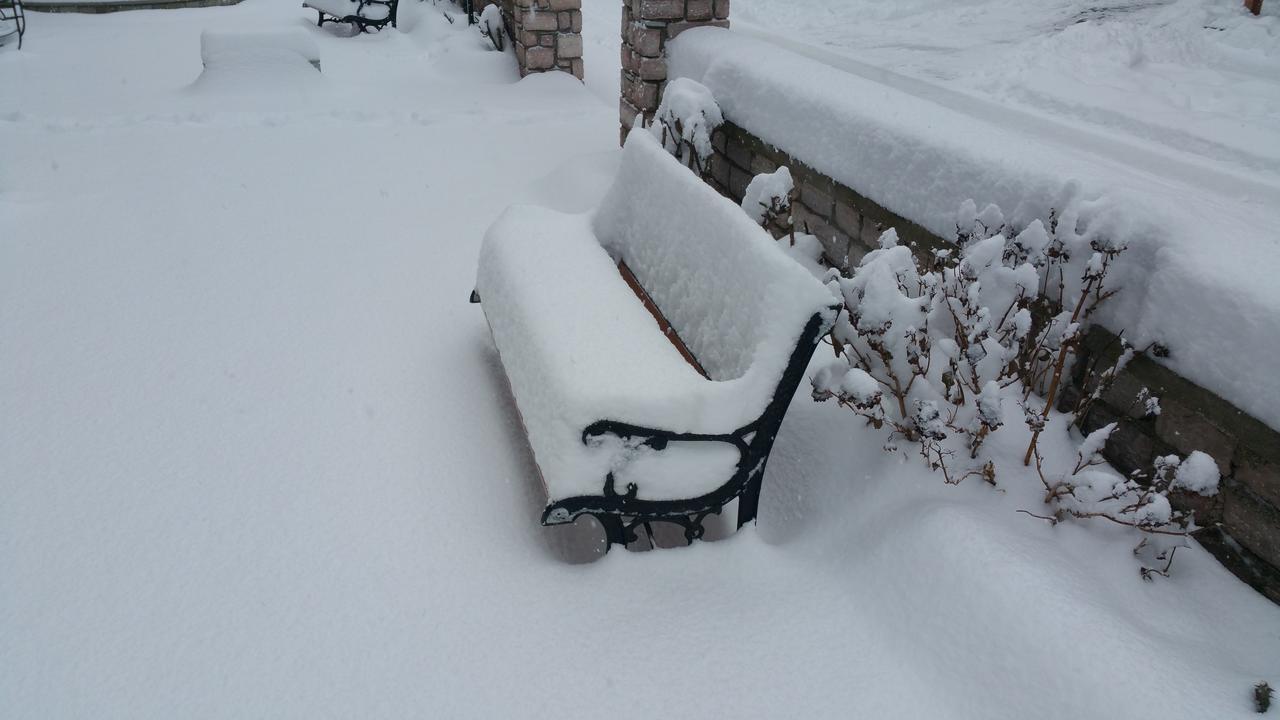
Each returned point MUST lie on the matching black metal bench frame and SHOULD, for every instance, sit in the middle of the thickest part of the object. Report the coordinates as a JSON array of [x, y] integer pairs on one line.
[[358, 19], [11, 11], [622, 513]]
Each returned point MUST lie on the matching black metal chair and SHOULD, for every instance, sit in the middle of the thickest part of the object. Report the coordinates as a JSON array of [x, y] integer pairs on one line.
[[12, 21]]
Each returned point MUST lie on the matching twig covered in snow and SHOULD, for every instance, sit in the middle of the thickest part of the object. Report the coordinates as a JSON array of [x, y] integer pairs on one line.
[[1140, 501], [1262, 695], [685, 119], [768, 199]]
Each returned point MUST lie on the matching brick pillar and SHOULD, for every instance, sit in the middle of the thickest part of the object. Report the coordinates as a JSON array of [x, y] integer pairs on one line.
[[548, 35], [647, 27]]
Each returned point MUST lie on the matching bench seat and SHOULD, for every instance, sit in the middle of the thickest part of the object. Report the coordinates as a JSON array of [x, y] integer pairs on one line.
[[584, 348]]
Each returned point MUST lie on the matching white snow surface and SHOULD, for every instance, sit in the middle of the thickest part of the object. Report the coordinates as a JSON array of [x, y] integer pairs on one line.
[[257, 458], [580, 347], [1201, 231]]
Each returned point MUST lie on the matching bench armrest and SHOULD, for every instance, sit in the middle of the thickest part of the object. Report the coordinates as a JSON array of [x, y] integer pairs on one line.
[[658, 439]]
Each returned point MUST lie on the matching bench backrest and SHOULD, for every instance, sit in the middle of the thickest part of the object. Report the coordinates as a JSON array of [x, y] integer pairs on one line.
[[728, 290], [11, 12]]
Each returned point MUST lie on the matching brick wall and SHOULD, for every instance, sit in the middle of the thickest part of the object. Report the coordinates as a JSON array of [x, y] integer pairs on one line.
[[847, 223], [1242, 523], [1243, 519]]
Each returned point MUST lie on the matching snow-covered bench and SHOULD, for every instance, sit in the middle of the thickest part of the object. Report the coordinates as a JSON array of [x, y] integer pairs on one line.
[[218, 44], [364, 14], [652, 346]]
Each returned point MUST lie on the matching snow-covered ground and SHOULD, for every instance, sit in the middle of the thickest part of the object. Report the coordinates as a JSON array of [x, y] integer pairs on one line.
[[257, 457]]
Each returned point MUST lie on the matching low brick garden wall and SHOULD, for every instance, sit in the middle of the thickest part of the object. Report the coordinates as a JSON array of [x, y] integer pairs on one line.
[[1243, 520], [1241, 524], [847, 223]]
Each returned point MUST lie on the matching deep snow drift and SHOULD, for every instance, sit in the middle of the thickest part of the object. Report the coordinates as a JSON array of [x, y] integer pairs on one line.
[[257, 457]]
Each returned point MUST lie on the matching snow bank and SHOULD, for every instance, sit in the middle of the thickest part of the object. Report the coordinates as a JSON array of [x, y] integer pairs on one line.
[[1203, 240], [579, 346]]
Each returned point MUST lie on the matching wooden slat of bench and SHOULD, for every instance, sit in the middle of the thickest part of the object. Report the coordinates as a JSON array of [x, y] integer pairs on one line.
[[663, 323]]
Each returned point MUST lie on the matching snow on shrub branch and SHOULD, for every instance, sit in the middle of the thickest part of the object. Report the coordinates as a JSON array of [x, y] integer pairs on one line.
[[767, 200], [768, 197], [685, 119], [928, 350]]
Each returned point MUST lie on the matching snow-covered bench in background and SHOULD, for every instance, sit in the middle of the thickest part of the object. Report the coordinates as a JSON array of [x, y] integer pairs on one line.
[[13, 20], [216, 45], [364, 14], [652, 346]]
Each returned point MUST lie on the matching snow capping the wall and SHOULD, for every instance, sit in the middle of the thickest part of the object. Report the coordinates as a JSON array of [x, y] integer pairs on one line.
[[1199, 275]]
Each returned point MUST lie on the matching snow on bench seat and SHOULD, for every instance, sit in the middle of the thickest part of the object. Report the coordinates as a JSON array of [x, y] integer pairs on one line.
[[580, 347]]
